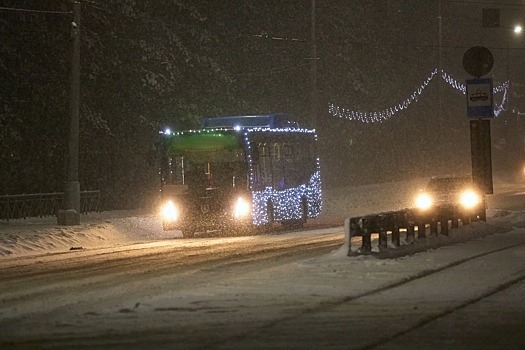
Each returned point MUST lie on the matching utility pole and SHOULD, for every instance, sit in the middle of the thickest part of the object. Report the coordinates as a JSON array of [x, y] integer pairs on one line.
[[70, 214], [313, 68], [440, 64]]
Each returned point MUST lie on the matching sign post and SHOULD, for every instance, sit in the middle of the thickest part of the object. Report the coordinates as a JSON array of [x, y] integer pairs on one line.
[[481, 155], [478, 61]]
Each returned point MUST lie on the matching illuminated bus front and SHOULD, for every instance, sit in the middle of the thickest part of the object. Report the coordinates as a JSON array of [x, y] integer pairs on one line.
[[205, 177]]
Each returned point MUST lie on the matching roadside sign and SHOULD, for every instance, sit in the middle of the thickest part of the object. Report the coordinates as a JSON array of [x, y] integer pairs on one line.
[[480, 102], [478, 61]]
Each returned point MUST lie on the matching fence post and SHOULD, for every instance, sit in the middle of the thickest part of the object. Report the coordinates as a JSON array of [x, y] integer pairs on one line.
[[396, 239], [366, 245], [383, 239], [410, 234], [421, 230]]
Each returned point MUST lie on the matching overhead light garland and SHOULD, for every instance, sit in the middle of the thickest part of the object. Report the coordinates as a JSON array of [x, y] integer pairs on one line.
[[505, 87], [385, 114]]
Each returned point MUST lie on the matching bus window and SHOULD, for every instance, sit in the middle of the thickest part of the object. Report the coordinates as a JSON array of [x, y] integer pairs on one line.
[[278, 170], [288, 154], [277, 151], [265, 165], [174, 174], [292, 166]]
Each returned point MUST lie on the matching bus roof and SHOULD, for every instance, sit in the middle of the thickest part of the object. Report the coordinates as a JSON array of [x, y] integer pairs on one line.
[[273, 121]]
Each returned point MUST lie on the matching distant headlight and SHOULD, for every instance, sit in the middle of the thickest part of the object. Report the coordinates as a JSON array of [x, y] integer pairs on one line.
[[423, 201], [241, 208], [169, 211], [469, 199]]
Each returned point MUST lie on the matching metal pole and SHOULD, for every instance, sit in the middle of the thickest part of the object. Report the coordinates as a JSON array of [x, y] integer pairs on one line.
[[440, 44], [313, 68], [71, 213], [508, 57]]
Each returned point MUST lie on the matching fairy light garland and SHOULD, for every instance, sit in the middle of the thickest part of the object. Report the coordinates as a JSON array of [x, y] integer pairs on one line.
[[505, 87], [287, 203], [381, 116]]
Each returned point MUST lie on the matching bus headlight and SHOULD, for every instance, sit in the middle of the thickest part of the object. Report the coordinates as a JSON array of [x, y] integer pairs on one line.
[[170, 211], [423, 201], [469, 199], [241, 208]]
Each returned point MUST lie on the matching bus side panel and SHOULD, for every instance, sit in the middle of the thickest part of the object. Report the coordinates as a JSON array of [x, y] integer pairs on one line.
[[285, 174]]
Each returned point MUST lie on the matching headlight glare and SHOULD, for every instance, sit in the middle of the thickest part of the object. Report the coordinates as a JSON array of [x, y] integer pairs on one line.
[[169, 211], [470, 199], [241, 208], [423, 201]]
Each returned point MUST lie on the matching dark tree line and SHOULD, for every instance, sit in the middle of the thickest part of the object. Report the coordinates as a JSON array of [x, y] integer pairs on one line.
[[147, 65], [143, 66]]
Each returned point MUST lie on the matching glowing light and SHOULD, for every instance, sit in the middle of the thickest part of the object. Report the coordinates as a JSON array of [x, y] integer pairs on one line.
[[518, 29], [241, 208], [470, 199], [387, 113], [423, 201], [169, 211], [288, 204]]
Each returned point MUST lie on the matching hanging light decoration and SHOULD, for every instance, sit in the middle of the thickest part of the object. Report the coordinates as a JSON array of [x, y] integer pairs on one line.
[[387, 113]]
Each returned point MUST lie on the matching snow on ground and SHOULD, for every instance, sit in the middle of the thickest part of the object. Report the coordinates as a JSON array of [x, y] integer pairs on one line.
[[228, 302], [96, 230], [105, 229]]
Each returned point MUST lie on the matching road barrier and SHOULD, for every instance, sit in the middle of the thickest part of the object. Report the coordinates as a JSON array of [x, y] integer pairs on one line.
[[22, 206], [408, 220]]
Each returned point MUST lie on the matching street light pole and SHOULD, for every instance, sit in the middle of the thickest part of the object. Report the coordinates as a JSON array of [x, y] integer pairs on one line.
[[440, 45], [313, 68], [70, 214], [517, 31]]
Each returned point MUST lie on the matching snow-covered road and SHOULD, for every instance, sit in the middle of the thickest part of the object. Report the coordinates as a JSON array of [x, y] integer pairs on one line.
[[287, 290], [294, 290]]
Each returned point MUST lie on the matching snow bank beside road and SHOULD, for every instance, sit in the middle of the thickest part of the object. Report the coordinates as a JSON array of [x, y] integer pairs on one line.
[[43, 235], [51, 239]]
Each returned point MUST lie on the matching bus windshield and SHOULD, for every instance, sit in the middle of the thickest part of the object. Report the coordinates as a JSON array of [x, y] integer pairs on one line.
[[206, 161]]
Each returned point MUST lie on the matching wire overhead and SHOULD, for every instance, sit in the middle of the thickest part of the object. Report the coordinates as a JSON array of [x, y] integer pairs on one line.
[[35, 11]]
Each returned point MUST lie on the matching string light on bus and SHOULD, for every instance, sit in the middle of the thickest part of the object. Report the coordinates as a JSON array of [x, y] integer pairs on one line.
[[288, 198], [381, 116]]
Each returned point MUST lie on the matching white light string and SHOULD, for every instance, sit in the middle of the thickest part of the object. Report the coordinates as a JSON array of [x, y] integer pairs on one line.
[[380, 116]]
